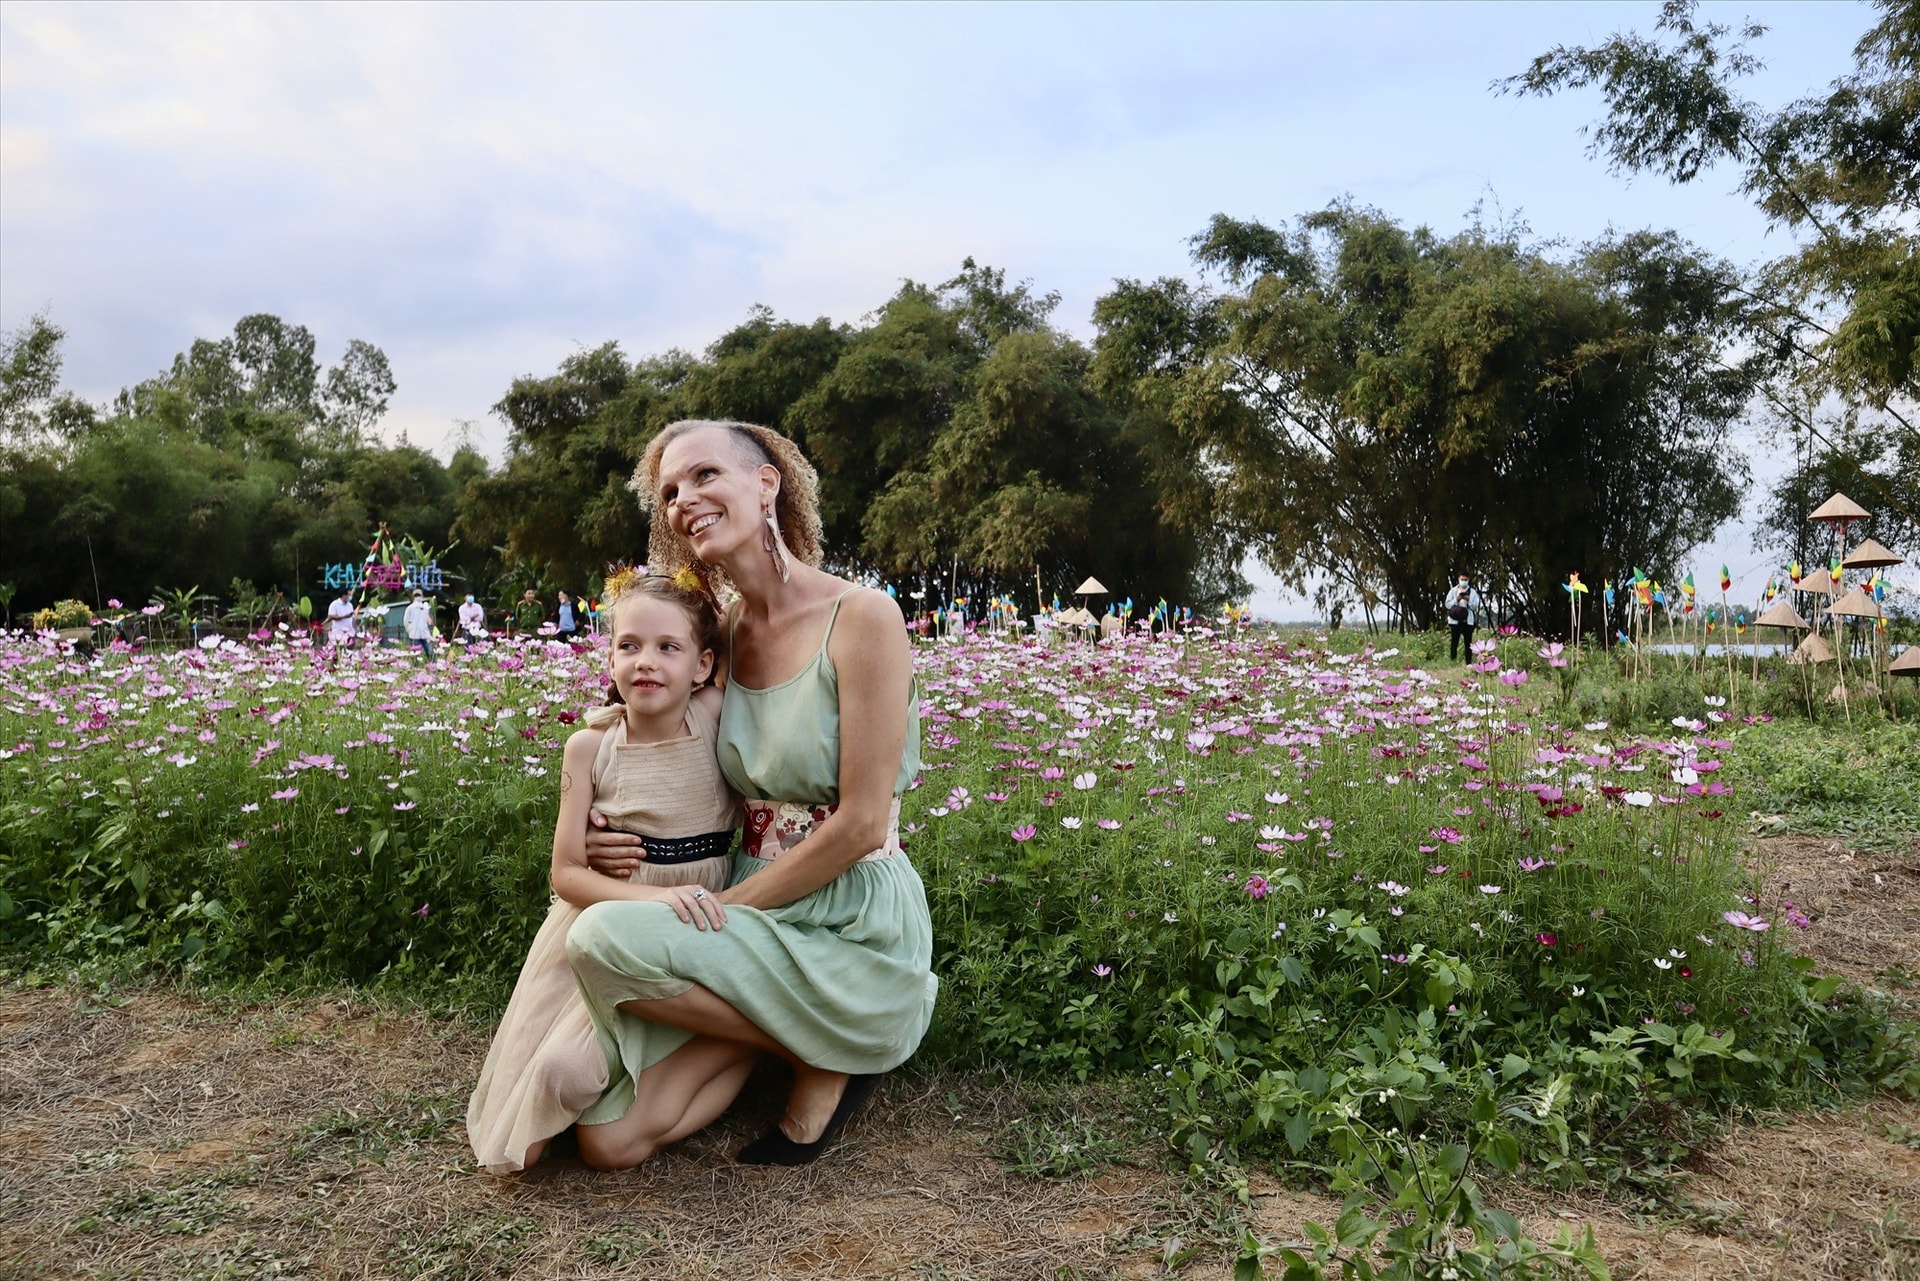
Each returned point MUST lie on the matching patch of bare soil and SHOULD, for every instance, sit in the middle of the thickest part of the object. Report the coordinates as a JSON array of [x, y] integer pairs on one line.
[[1865, 909], [163, 1134]]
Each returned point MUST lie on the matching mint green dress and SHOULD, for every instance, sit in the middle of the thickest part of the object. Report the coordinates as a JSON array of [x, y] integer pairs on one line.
[[842, 977]]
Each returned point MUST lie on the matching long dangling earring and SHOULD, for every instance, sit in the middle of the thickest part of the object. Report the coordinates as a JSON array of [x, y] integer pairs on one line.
[[775, 548]]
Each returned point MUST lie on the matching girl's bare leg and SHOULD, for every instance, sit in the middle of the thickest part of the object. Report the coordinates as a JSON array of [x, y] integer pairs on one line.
[[684, 1092], [816, 1092]]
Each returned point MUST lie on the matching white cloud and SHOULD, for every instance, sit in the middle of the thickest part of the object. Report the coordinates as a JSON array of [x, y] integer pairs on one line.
[[481, 189]]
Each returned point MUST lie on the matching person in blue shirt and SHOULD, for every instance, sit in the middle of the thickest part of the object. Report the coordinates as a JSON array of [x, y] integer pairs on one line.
[[1462, 608], [569, 625]]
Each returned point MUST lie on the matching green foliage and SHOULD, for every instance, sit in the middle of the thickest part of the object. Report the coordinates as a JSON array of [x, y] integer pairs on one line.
[[1360, 402], [242, 462], [1423, 1188], [956, 432], [1860, 780], [1839, 312]]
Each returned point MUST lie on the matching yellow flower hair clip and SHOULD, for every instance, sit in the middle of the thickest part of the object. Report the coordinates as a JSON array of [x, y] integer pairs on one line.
[[687, 581], [620, 582]]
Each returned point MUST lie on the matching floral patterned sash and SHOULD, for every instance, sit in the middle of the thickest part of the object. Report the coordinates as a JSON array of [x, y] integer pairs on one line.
[[774, 827]]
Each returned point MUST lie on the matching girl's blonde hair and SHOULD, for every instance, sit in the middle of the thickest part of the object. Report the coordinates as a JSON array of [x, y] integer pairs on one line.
[[797, 507], [626, 584]]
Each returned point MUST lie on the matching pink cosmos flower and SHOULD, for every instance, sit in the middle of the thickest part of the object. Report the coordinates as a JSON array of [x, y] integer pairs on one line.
[[1257, 887], [1024, 832], [1102, 970], [286, 794], [1741, 921], [1110, 824], [404, 805]]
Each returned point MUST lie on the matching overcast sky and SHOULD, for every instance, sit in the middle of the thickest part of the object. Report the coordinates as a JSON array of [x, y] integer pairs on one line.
[[479, 190]]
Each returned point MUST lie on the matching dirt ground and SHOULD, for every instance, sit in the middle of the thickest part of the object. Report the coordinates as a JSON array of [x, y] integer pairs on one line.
[[160, 1133]]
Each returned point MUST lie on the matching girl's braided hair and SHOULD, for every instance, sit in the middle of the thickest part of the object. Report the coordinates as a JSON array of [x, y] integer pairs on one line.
[[797, 507]]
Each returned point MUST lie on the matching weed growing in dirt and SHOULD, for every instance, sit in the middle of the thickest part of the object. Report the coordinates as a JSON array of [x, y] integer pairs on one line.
[[487, 1246], [187, 1209], [387, 1126]]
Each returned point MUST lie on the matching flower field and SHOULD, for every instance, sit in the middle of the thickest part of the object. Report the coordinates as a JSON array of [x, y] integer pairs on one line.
[[1312, 900]]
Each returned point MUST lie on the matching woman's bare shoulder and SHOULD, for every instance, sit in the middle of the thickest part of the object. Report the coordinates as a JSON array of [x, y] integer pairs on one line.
[[869, 607]]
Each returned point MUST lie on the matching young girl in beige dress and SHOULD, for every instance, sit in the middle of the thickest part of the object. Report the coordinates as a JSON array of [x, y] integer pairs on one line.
[[648, 766]]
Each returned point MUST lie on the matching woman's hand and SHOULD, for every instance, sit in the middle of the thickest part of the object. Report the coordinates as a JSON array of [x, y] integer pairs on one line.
[[613, 854], [695, 906]]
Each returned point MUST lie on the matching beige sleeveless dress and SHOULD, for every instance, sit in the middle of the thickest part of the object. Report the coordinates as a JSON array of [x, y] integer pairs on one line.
[[547, 1065]]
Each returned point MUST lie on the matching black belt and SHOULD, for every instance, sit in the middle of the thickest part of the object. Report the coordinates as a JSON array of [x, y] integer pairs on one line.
[[687, 849]]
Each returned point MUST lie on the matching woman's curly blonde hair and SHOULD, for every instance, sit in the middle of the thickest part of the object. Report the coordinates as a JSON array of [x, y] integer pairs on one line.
[[797, 507]]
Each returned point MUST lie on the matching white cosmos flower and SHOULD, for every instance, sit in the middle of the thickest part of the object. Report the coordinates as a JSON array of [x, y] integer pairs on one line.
[[1085, 782], [1641, 799], [1661, 962], [1070, 822], [1276, 798]]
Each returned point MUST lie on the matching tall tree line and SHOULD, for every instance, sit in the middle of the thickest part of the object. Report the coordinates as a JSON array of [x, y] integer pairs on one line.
[[961, 443], [244, 460], [1837, 173], [1358, 403]]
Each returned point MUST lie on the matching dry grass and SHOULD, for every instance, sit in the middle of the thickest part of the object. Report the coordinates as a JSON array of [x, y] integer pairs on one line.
[[1865, 907], [161, 1133]]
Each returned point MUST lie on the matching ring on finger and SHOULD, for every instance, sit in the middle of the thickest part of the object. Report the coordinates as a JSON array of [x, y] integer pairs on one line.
[[699, 894]]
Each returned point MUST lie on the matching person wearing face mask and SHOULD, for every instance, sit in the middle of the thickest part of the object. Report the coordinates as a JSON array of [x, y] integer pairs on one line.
[[473, 620], [1462, 608]]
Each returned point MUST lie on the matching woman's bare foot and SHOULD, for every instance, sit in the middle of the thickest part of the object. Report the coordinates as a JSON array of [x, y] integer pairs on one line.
[[816, 1093]]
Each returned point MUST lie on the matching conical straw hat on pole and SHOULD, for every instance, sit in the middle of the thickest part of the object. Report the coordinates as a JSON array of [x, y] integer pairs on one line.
[[1855, 604], [1092, 587], [1813, 649], [1870, 555], [1781, 614], [1839, 510], [1907, 664]]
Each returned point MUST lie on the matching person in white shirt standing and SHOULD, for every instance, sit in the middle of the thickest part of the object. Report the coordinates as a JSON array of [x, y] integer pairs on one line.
[[340, 619], [473, 619], [419, 624], [1463, 606]]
